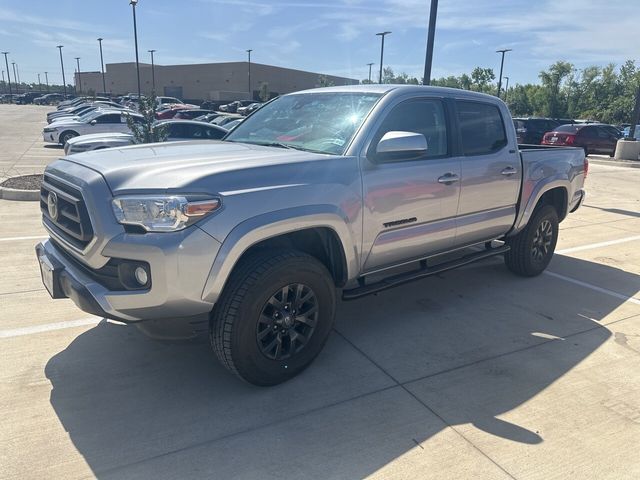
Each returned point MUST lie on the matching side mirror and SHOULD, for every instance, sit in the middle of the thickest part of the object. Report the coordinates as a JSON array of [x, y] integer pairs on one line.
[[93, 122], [401, 146]]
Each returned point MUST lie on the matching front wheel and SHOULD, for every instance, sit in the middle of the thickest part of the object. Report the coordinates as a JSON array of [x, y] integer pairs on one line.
[[274, 316], [532, 248], [66, 136]]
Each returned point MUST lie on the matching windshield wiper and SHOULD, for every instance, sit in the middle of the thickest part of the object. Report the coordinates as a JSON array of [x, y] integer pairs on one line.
[[272, 144]]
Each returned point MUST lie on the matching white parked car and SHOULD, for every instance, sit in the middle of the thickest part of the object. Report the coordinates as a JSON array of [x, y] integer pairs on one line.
[[176, 130], [98, 121]]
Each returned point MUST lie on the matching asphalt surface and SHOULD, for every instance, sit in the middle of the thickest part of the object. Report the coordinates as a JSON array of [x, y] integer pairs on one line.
[[475, 373]]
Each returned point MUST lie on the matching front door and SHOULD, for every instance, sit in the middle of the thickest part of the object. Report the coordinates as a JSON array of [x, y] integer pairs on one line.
[[410, 205], [491, 174]]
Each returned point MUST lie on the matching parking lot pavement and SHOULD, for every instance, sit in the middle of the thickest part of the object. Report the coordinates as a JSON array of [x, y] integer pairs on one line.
[[474, 373], [23, 150]]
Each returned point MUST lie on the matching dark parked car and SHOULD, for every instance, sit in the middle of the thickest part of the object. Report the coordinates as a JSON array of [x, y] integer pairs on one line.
[[49, 99], [249, 108], [529, 131], [28, 97], [233, 106], [191, 113], [593, 138]]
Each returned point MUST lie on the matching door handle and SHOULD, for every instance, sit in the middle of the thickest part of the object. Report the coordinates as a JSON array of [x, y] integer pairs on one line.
[[448, 178], [509, 171]]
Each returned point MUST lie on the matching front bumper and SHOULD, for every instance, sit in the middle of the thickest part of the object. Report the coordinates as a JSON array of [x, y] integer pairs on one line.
[[50, 137], [179, 264]]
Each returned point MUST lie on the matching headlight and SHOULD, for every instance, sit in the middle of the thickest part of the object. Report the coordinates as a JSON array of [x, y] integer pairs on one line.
[[160, 213], [49, 129]]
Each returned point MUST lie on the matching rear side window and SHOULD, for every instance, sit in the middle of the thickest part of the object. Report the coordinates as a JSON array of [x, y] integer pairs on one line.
[[567, 129], [481, 128]]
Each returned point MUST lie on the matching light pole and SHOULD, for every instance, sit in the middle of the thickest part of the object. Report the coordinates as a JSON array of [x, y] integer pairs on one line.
[[8, 75], [503, 51], [15, 78], [104, 84], [426, 79], [370, 64], [39, 84], [18, 72], [382, 35], [5, 88], [133, 4], [249, 54], [506, 89], [46, 78], [153, 72], [79, 77], [64, 81]]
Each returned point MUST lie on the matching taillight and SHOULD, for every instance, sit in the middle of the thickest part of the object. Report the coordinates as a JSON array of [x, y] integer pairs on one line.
[[586, 167], [569, 139]]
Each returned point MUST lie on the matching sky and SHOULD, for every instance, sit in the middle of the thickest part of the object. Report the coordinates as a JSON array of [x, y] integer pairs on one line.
[[326, 36]]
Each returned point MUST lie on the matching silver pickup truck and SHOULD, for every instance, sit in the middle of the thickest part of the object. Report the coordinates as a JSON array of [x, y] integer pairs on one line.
[[319, 195]]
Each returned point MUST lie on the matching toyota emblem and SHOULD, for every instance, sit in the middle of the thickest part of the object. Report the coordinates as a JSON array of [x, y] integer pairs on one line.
[[52, 206]]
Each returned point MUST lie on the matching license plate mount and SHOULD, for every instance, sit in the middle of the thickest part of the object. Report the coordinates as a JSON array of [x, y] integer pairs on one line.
[[50, 274]]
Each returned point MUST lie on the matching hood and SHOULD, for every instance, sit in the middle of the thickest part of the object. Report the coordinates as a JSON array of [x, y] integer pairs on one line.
[[100, 136], [66, 122], [191, 167]]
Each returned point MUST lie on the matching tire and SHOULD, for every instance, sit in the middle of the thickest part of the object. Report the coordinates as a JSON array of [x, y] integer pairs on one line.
[[532, 248], [251, 314], [66, 136], [586, 151]]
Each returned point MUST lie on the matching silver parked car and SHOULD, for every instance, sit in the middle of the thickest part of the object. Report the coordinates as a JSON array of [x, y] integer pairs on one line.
[[175, 130]]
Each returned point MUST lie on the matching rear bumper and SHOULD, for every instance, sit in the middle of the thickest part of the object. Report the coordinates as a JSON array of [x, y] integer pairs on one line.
[[578, 200]]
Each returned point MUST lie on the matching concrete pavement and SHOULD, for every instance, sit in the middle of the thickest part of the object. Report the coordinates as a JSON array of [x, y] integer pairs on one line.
[[475, 373]]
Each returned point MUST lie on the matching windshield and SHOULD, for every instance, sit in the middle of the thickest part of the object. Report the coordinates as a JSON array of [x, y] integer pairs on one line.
[[87, 115], [317, 122]]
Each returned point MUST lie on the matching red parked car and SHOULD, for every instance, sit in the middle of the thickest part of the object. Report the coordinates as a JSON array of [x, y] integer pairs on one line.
[[592, 137]]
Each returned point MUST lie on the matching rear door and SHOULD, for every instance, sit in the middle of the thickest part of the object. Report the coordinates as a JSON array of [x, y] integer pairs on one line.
[[491, 174], [410, 205]]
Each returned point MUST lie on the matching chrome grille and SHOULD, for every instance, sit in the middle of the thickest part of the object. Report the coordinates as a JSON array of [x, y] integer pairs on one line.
[[72, 222]]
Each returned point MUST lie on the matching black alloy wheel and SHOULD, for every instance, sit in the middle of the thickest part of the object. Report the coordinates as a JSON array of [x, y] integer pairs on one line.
[[287, 321]]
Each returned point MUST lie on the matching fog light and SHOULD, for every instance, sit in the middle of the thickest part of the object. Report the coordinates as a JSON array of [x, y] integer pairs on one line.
[[141, 275]]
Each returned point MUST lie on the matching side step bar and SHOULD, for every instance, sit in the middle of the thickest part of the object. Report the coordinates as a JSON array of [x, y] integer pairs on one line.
[[422, 272]]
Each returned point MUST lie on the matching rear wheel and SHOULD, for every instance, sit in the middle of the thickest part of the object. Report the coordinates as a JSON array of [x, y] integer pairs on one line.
[[274, 316], [532, 248]]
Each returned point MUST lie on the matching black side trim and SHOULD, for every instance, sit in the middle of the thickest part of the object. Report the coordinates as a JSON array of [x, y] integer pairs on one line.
[[421, 272]]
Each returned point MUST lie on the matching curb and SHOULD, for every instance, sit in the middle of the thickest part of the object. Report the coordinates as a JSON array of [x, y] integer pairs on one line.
[[615, 163], [19, 195]]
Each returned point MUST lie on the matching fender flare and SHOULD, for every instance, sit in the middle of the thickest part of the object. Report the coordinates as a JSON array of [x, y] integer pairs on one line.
[[262, 227], [539, 190]]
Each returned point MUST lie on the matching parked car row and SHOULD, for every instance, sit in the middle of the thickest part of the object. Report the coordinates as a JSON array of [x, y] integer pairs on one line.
[[175, 130], [592, 137]]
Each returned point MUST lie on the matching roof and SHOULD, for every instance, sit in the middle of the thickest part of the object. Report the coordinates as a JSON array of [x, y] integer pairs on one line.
[[386, 88]]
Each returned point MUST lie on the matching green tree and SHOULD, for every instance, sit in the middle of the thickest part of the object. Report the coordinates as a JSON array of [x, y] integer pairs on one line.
[[264, 92], [481, 79], [147, 131], [323, 81]]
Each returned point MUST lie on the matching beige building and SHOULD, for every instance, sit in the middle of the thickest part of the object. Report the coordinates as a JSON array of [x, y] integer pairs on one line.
[[206, 81]]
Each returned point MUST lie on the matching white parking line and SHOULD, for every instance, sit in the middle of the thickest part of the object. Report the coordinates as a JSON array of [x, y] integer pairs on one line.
[[597, 245], [47, 327], [611, 293], [15, 239]]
